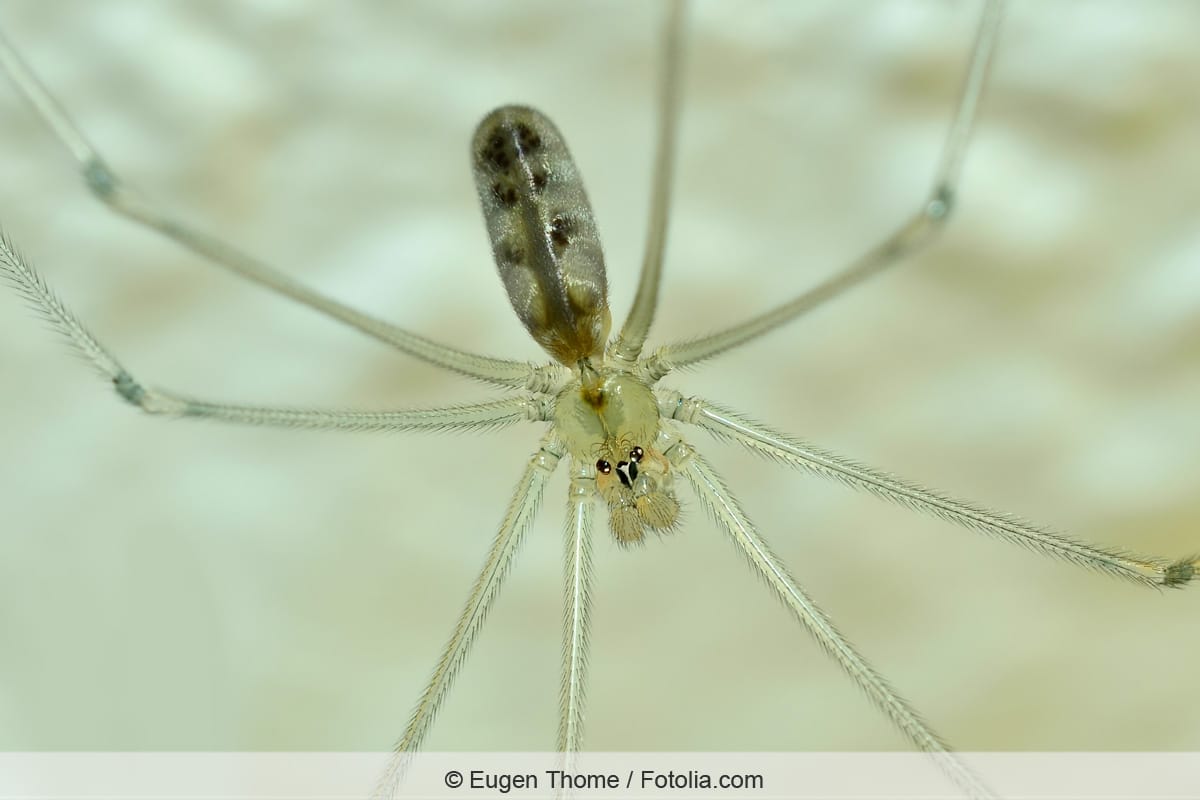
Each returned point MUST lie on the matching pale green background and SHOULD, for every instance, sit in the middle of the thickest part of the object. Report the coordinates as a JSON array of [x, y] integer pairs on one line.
[[170, 585]]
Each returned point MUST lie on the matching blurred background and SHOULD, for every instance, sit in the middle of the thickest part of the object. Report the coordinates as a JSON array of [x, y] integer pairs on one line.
[[175, 585]]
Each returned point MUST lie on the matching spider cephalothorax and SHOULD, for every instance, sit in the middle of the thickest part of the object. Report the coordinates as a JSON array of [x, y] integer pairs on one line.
[[610, 419]]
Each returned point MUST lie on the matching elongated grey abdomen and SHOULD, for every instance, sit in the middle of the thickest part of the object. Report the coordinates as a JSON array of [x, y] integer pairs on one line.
[[543, 233]]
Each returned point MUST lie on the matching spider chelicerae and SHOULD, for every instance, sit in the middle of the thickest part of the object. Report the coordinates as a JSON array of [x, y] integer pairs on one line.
[[622, 277]]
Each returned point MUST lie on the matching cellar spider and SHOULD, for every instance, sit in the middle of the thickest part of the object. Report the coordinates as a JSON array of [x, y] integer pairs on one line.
[[243, 613]]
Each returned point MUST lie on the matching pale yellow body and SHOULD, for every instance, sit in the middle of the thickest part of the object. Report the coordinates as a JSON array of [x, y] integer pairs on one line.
[[602, 418]]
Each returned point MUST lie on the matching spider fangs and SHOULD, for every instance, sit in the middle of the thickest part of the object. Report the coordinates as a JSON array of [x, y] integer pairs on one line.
[[548, 252]]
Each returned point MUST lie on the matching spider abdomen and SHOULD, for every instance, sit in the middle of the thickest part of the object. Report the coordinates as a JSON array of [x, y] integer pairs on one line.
[[543, 234]]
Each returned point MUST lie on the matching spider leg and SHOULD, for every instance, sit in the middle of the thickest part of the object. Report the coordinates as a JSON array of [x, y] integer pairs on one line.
[[724, 508], [33, 287], [105, 184], [760, 439], [517, 519], [914, 234], [468, 417], [628, 344], [577, 587]]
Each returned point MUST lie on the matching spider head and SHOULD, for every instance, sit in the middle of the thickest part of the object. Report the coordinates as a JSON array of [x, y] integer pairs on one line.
[[611, 421], [638, 492]]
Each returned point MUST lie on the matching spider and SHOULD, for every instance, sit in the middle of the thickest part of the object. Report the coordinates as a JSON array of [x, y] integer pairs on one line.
[[496, 481]]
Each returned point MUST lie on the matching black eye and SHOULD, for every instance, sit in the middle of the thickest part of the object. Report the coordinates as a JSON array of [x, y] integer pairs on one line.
[[636, 454], [603, 467]]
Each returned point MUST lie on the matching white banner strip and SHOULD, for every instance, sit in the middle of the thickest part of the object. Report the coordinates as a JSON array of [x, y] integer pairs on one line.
[[442, 776]]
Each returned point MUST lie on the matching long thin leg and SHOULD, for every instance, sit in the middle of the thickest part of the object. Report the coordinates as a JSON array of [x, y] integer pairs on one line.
[[720, 502], [105, 184], [765, 441], [577, 588], [31, 285], [628, 344], [912, 235], [517, 519], [469, 417]]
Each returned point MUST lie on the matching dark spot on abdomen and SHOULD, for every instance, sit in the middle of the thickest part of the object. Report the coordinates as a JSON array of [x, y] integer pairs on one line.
[[509, 254], [527, 138], [497, 152], [505, 192], [560, 232]]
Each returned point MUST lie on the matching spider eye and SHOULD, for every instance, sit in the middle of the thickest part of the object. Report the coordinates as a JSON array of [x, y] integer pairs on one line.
[[603, 467], [636, 454]]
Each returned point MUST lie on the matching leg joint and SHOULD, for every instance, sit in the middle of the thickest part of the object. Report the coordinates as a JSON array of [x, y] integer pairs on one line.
[[130, 390], [1181, 572], [150, 401], [100, 179], [549, 454], [940, 204]]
